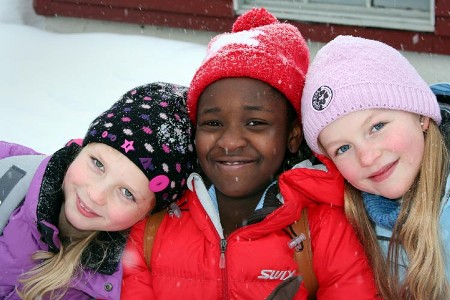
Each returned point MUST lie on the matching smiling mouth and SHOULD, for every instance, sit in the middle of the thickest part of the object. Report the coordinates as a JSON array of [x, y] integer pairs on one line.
[[233, 163], [84, 210], [384, 172]]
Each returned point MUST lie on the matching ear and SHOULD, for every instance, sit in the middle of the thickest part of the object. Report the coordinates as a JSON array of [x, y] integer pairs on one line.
[[424, 123], [295, 137]]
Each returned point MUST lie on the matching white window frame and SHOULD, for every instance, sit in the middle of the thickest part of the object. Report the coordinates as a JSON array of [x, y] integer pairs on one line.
[[368, 16]]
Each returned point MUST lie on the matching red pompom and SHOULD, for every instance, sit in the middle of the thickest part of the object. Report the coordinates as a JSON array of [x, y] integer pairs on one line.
[[255, 17]]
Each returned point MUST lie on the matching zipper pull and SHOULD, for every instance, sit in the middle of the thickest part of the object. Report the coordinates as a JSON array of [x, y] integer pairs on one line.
[[223, 247]]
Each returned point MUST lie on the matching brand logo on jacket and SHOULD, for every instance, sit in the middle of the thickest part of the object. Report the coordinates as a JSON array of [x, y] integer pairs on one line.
[[276, 274]]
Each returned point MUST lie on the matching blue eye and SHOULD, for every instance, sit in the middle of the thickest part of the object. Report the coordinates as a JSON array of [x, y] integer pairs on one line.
[[378, 127], [127, 194], [342, 149], [98, 163]]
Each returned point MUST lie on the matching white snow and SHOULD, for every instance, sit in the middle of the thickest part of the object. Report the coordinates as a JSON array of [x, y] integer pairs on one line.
[[52, 85]]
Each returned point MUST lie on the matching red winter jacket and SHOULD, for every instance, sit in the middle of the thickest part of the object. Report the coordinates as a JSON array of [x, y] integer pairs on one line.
[[188, 251]]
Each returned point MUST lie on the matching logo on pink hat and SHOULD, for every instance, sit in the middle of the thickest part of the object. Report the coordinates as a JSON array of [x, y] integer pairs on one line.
[[322, 98]]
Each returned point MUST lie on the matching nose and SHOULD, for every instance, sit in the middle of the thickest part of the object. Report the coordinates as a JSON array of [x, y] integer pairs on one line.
[[232, 139], [97, 193], [368, 154]]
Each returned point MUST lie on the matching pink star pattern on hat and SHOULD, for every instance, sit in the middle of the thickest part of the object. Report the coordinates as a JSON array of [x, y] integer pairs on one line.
[[127, 145]]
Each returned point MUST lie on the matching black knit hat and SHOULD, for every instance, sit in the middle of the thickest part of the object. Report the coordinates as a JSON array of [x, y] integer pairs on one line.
[[150, 126]]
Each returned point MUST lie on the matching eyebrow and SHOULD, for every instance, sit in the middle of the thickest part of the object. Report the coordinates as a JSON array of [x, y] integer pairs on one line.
[[328, 145], [256, 108], [245, 107], [210, 110]]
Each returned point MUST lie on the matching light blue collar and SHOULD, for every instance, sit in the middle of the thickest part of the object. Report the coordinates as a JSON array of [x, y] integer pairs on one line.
[[212, 194]]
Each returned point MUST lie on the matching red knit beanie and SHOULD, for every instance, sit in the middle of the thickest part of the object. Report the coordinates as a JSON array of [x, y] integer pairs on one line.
[[259, 47]]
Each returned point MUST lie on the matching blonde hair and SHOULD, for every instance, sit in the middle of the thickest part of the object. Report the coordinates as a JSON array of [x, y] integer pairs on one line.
[[51, 277], [416, 230]]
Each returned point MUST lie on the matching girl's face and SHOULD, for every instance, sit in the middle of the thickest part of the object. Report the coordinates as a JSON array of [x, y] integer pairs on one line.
[[105, 191], [378, 151], [242, 135]]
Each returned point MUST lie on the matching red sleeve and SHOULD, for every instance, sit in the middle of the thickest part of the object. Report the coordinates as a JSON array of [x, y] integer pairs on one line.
[[136, 282], [339, 261]]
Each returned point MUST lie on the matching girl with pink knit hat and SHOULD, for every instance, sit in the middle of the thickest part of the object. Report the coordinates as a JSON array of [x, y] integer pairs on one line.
[[366, 107], [236, 237]]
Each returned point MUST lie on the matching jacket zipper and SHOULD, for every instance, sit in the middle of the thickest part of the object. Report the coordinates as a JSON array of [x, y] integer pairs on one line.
[[222, 266], [223, 247], [222, 240]]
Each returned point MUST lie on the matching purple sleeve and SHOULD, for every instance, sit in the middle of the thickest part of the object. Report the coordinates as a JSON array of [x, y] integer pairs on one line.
[[11, 149]]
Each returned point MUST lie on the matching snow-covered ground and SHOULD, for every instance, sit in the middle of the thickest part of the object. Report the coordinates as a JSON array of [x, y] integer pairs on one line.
[[52, 85], [57, 74]]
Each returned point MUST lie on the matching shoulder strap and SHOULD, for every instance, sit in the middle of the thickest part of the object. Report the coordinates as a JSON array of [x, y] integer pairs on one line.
[[151, 227], [16, 173], [304, 257]]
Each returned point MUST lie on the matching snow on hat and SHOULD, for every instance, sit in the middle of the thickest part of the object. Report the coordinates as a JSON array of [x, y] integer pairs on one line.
[[259, 47], [150, 126], [350, 74]]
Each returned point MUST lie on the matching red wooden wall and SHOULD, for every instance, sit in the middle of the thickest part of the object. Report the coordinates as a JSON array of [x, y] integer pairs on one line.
[[218, 16]]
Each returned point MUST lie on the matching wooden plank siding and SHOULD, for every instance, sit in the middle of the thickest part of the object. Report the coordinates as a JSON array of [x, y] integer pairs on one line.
[[218, 16]]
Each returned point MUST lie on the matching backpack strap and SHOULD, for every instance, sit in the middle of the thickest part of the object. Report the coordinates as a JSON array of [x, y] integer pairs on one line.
[[16, 173], [304, 257], [151, 227]]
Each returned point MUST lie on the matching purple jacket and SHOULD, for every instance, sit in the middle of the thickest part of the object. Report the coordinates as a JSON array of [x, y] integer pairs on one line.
[[30, 228]]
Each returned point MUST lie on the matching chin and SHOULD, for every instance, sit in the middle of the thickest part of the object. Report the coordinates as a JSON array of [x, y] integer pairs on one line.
[[393, 194], [78, 222]]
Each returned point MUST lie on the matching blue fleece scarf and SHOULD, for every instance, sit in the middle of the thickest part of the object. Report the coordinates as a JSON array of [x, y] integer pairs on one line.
[[383, 211]]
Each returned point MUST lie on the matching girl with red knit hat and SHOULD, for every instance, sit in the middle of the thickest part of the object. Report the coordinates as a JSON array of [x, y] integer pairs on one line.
[[234, 237]]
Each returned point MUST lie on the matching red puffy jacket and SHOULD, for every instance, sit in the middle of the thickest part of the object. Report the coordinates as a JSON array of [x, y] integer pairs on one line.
[[188, 251]]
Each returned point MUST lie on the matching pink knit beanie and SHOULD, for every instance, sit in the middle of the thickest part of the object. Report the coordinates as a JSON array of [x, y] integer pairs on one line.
[[259, 47], [350, 74]]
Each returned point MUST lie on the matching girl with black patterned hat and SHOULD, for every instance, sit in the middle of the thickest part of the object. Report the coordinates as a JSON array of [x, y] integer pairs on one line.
[[66, 240]]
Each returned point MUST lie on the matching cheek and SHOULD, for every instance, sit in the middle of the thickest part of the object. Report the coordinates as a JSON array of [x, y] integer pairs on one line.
[[203, 147], [276, 155], [348, 169], [75, 174], [121, 219], [124, 216], [203, 143], [274, 145], [409, 146]]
